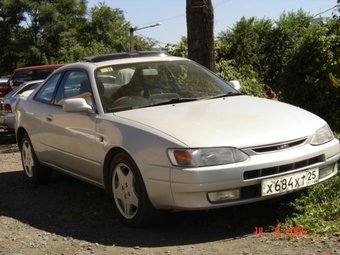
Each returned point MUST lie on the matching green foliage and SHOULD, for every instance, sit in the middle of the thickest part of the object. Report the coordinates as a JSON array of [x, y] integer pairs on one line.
[[228, 71], [179, 50], [251, 43], [47, 22], [311, 77], [11, 15], [109, 27], [231, 70], [37, 32]]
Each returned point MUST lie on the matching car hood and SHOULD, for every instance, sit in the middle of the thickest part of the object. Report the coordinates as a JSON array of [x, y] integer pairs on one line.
[[239, 121]]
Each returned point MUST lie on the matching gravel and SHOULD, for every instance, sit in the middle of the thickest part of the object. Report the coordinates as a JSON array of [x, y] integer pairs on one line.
[[67, 216]]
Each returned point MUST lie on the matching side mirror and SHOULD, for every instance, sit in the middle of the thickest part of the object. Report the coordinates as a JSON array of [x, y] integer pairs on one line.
[[76, 105], [236, 84]]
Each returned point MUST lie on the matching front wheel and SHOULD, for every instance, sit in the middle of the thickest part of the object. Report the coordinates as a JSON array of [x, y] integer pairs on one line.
[[35, 172], [129, 195]]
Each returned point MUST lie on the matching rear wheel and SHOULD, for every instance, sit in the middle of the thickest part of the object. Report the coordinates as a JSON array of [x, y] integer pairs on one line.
[[35, 172], [129, 195]]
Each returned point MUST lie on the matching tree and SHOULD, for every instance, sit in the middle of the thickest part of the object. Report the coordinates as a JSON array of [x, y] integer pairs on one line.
[[311, 77], [35, 32], [261, 48], [179, 50], [52, 22], [109, 27], [11, 15], [200, 30]]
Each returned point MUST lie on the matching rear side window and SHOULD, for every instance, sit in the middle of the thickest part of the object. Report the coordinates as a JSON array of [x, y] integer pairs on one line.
[[46, 92]]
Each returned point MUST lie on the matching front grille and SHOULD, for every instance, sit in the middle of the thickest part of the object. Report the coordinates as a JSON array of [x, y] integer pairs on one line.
[[253, 174], [278, 147]]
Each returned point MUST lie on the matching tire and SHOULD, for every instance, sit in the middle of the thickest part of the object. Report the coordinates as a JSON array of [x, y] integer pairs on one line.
[[129, 195], [34, 171]]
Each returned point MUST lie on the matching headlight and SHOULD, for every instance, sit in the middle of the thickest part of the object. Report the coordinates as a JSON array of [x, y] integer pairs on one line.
[[322, 135], [205, 157]]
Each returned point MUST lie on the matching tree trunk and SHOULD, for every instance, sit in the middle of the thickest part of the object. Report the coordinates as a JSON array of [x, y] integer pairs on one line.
[[200, 26]]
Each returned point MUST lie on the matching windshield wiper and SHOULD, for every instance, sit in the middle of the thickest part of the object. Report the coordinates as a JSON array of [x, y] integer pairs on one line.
[[169, 101], [227, 94]]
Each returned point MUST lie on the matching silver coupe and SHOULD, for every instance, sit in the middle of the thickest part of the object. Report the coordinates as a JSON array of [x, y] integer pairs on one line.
[[160, 132]]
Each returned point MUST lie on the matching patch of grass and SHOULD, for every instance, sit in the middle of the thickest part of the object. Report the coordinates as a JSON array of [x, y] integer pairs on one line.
[[318, 210]]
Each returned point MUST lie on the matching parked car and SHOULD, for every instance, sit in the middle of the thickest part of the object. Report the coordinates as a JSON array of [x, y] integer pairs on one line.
[[24, 74], [7, 104], [173, 136]]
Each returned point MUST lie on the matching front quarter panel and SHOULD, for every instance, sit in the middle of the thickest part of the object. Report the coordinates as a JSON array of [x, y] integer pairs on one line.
[[148, 148]]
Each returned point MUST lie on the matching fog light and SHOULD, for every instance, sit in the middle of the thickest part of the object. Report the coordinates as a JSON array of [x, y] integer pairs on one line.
[[225, 195], [328, 170]]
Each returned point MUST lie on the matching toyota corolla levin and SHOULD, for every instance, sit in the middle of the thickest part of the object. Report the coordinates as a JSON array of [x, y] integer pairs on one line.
[[164, 133]]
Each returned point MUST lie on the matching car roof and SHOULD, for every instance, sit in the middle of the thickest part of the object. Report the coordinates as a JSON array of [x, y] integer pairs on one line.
[[93, 62], [122, 55]]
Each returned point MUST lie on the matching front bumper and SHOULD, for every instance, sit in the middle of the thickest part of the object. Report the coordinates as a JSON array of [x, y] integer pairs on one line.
[[190, 187]]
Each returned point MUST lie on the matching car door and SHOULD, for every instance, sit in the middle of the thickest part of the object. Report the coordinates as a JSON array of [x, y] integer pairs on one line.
[[70, 137]]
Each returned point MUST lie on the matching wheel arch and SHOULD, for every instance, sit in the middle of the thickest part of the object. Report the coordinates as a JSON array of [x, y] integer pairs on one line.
[[19, 135], [107, 163]]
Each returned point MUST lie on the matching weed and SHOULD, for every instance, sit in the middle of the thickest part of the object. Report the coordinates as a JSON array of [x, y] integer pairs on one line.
[[318, 210]]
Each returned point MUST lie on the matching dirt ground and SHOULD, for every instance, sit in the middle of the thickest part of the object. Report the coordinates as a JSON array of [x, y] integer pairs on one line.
[[67, 216]]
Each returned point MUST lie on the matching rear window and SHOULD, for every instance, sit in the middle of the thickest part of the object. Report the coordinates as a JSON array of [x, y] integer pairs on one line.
[[42, 74], [20, 77]]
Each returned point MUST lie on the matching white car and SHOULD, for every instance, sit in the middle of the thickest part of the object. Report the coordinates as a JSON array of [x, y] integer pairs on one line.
[[168, 134], [8, 102]]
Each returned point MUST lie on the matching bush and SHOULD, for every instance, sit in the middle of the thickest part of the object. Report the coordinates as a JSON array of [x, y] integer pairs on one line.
[[311, 77], [249, 83]]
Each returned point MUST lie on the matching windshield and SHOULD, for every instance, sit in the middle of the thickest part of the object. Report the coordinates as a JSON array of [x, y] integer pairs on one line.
[[135, 85]]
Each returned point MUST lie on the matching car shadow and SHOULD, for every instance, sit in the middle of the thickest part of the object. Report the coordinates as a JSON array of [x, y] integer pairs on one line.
[[72, 208], [7, 138]]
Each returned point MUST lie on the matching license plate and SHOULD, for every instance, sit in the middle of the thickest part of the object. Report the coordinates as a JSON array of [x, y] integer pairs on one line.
[[289, 182]]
